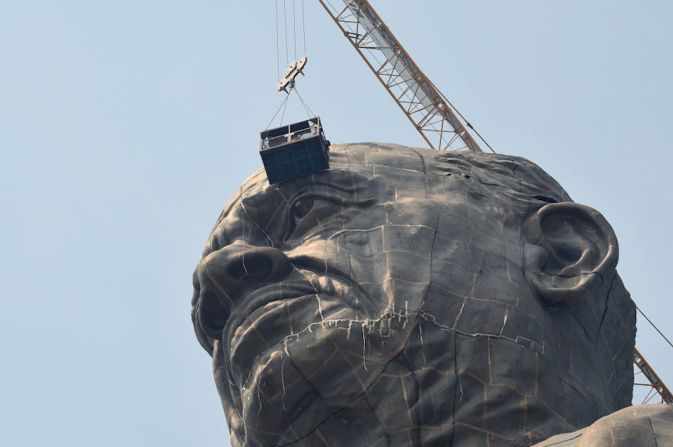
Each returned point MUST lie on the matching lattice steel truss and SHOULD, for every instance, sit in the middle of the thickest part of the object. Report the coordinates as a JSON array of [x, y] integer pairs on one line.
[[431, 114], [653, 390]]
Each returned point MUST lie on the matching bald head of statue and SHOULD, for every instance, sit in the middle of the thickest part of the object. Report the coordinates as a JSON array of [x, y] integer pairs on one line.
[[409, 297]]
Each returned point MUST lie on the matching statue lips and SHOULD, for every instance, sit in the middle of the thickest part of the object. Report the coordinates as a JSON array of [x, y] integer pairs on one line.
[[270, 314]]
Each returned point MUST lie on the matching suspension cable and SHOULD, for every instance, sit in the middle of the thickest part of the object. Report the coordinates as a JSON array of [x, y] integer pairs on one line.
[[282, 117], [303, 25], [303, 103], [283, 104], [654, 326], [294, 26], [287, 51], [277, 46]]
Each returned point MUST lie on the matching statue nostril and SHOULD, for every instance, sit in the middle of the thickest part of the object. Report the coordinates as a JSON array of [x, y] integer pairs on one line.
[[260, 269], [251, 267], [236, 270]]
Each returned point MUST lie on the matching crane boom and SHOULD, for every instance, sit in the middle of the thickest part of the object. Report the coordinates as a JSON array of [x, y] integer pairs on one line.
[[431, 114], [654, 381]]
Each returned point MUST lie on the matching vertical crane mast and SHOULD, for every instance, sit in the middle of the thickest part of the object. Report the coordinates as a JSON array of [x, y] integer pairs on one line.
[[431, 114]]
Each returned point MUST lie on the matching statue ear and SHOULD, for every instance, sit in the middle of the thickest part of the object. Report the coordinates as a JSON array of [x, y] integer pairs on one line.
[[570, 250]]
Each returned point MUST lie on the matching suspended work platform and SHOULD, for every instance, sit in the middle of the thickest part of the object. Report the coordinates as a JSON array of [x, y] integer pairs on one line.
[[294, 150]]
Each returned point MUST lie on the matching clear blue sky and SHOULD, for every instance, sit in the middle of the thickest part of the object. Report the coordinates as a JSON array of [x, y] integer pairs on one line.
[[126, 125]]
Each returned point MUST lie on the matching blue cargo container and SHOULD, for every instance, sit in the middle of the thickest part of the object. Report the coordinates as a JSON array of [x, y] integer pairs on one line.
[[292, 151]]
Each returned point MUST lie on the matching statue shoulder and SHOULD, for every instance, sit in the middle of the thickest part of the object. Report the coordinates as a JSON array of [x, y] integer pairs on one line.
[[636, 426]]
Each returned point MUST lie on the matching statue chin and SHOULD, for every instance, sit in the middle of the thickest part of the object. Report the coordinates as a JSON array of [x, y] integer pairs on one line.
[[408, 297], [299, 381]]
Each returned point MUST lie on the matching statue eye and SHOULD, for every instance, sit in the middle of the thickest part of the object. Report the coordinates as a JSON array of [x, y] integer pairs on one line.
[[301, 207], [309, 212]]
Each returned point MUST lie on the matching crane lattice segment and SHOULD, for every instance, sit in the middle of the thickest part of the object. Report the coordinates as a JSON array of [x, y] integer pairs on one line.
[[654, 386], [431, 114]]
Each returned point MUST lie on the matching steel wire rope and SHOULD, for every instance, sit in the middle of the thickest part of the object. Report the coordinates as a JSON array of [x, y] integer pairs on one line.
[[282, 117], [294, 26], [654, 326], [287, 51], [277, 46], [303, 103], [650, 396], [284, 103], [303, 25]]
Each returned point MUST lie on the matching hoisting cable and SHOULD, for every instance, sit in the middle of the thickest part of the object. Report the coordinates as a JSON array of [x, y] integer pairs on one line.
[[303, 24], [294, 26], [654, 326], [277, 46], [306, 107], [282, 105], [282, 117], [287, 51], [287, 84]]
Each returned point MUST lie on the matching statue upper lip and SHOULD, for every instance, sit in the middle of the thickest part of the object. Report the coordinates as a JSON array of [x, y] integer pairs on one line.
[[262, 296], [280, 291]]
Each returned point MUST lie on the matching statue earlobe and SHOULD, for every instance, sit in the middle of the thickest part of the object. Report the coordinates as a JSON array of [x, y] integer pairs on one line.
[[570, 251]]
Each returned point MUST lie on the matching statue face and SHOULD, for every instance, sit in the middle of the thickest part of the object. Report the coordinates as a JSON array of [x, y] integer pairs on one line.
[[410, 297]]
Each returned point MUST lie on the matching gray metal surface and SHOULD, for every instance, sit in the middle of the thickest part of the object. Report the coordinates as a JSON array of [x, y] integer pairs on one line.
[[410, 297]]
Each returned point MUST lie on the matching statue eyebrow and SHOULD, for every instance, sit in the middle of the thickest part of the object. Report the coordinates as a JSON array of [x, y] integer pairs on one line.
[[545, 199], [311, 189], [341, 181]]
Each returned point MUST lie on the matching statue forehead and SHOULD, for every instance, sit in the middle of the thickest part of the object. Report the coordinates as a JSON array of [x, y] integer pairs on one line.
[[414, 173], [363, 160], [374, 158]]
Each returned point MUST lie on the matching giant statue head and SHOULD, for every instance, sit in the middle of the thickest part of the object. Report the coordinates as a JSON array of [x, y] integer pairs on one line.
[[411, 297]]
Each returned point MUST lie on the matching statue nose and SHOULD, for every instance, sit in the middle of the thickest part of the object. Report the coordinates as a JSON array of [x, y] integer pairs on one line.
[[224, 275]]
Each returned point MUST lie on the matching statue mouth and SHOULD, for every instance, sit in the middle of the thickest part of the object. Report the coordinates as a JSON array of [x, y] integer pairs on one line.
[[273, 313]]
